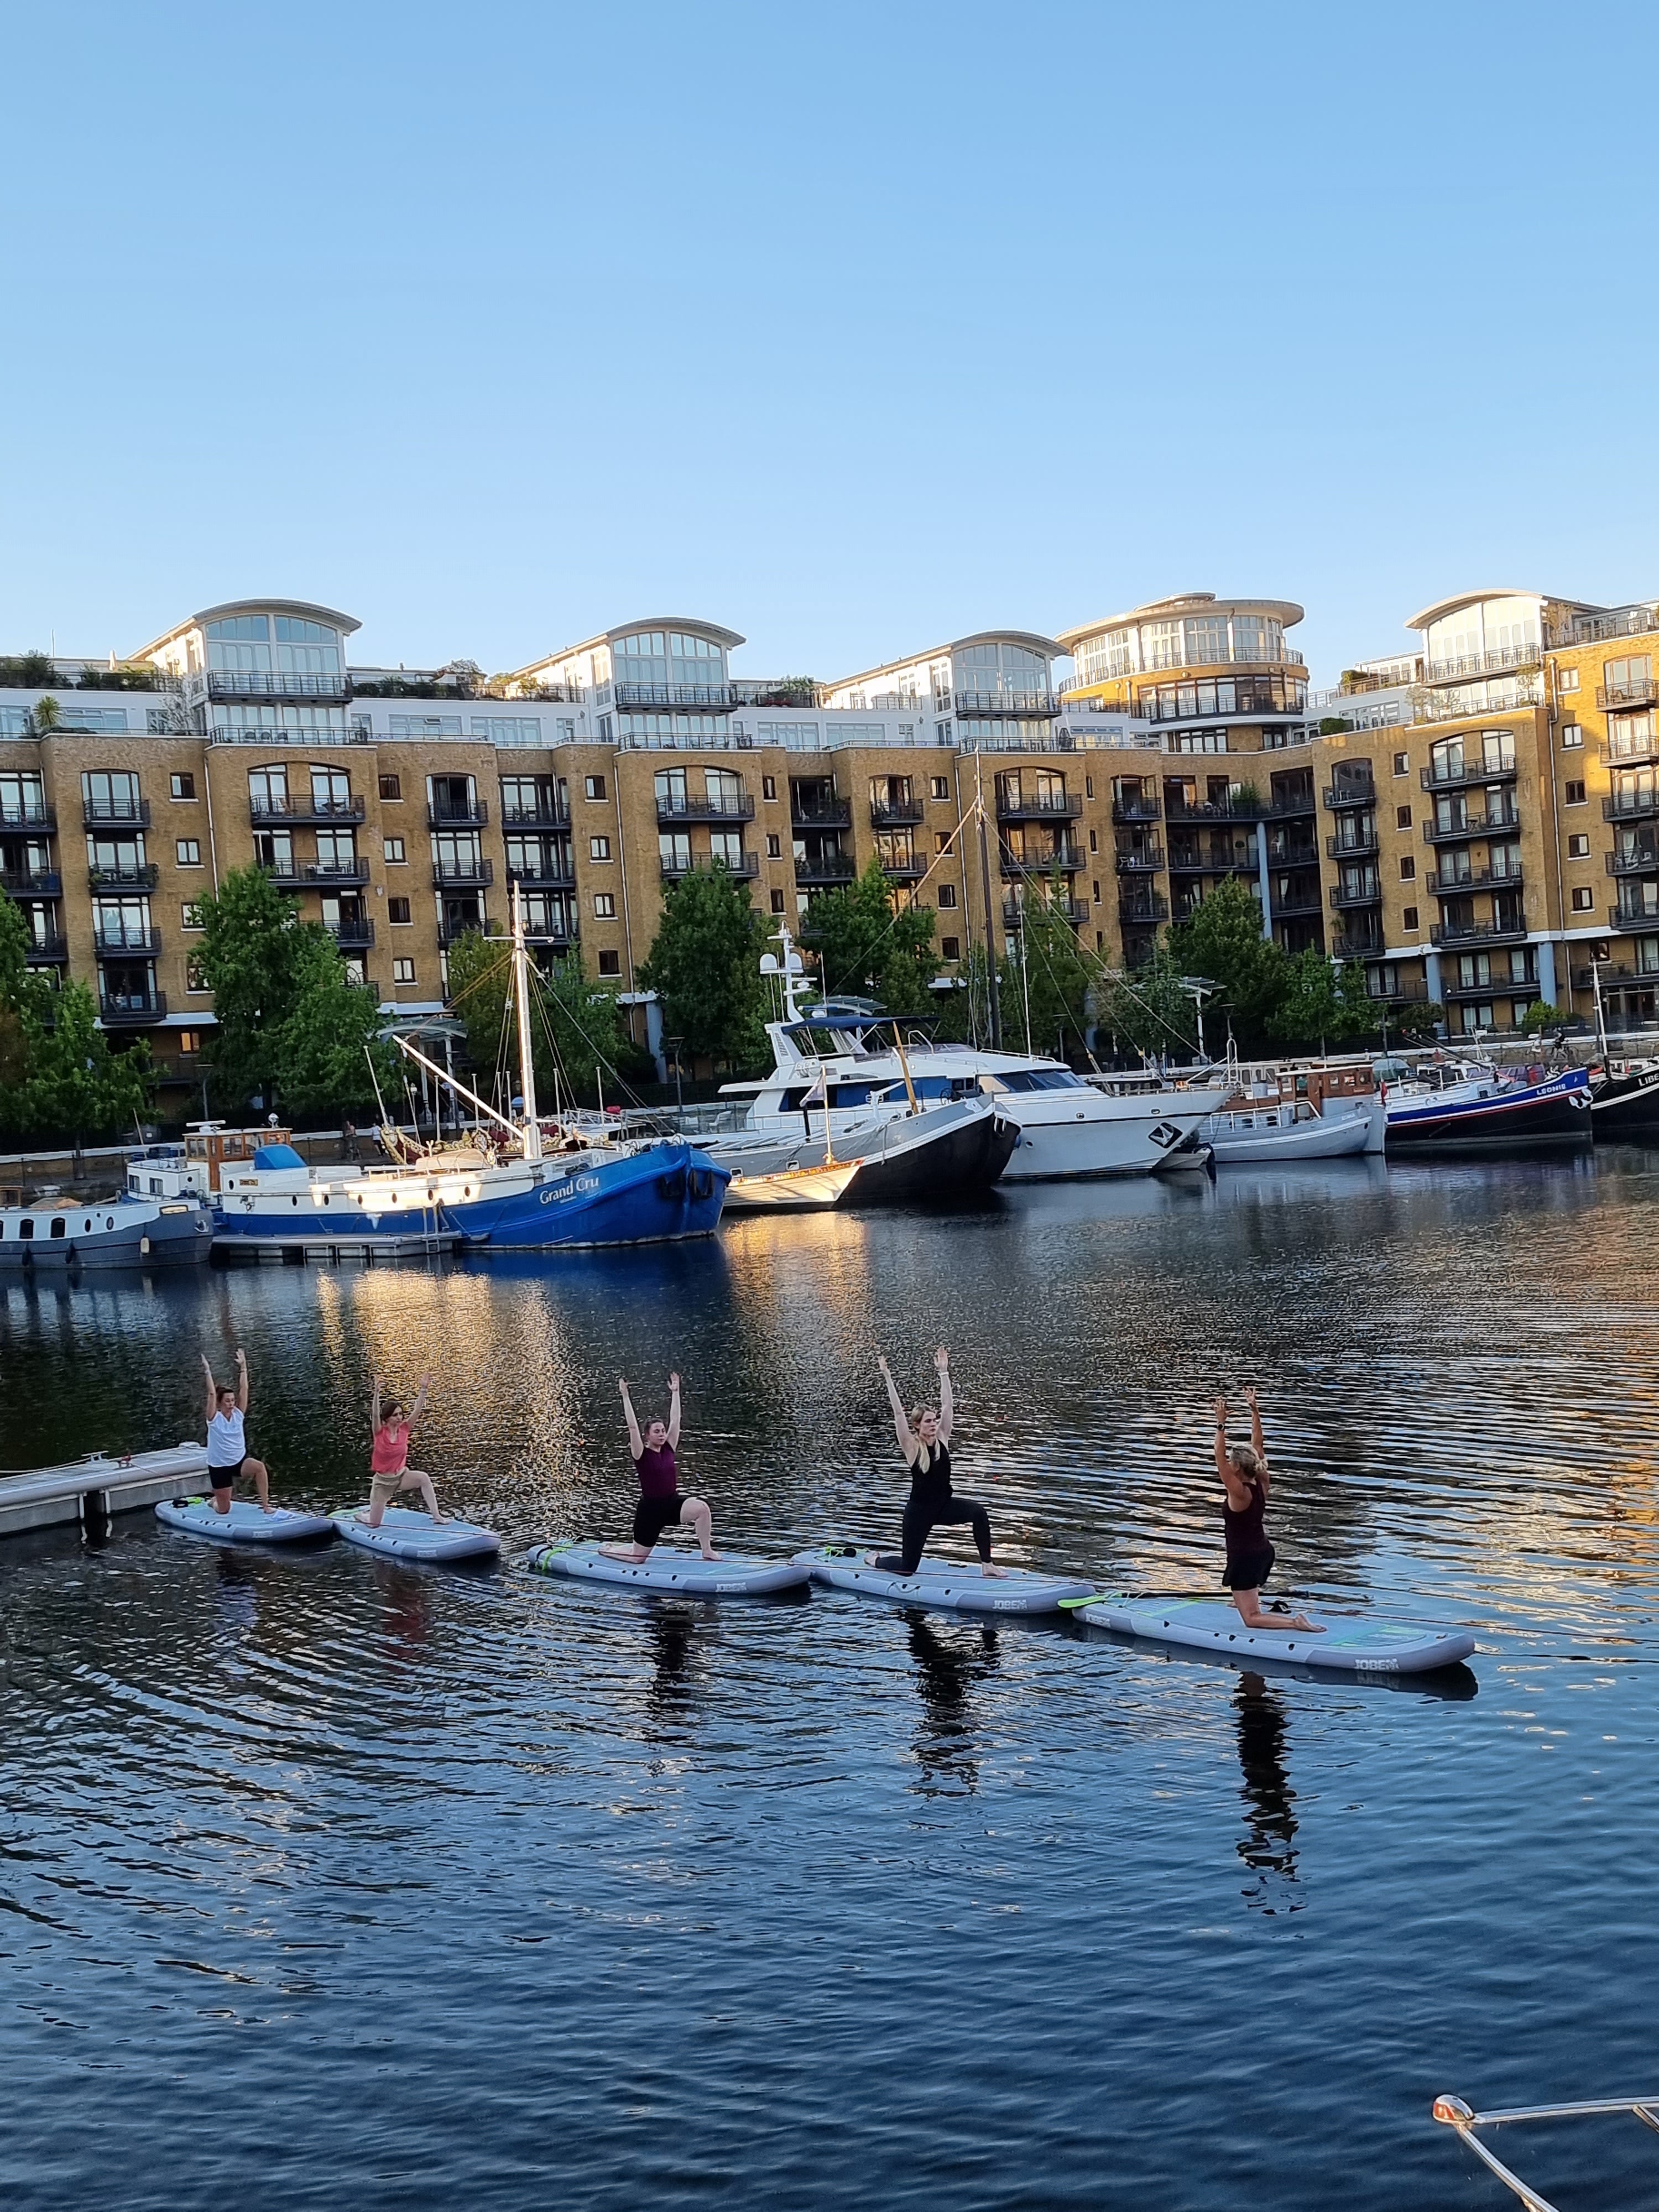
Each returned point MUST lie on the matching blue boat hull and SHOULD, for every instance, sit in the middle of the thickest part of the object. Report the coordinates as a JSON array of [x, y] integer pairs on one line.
[[669, 1191], [1554, 1112]]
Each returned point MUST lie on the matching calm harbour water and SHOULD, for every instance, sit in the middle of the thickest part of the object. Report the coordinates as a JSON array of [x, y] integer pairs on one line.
[[329, 1883]]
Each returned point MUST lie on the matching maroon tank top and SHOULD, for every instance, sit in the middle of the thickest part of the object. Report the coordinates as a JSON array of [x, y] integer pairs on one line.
[[657, 1473], [1245, 1532]]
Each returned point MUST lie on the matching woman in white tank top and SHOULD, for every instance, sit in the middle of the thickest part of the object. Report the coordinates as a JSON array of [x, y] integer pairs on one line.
[[227, 1438]]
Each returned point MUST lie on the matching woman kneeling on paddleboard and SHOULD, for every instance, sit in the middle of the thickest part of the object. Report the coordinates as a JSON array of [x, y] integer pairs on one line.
[[661, 1504], [1244, 1476], [389, 1468], [923, 1437]]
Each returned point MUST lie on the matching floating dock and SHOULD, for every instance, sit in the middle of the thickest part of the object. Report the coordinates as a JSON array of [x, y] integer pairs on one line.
[[91, 1490]]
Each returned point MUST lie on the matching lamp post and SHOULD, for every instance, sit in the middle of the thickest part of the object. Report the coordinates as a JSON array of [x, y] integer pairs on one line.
[[674, 1044]]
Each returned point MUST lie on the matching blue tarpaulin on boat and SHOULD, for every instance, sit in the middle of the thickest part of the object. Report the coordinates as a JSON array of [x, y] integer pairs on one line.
[[277, 1156]]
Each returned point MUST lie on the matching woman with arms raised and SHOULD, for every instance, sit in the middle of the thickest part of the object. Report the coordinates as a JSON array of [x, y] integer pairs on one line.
[[661, 1505], [1244, 1478], [923, 1437]]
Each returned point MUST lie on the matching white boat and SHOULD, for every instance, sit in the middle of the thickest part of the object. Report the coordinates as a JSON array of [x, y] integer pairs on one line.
[[152, 1229], [793, 1190], [856, 1063], [1294, 1129]]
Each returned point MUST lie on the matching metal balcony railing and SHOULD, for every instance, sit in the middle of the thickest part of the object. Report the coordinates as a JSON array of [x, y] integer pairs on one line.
[[1447, 882], [1344, 895], [351, 932], [125, 943], [1014, 911], [895, 814], [32, 883], [1630, 806], [1639, 860], [1143, 912], [25, 817], [672, 808], [1469, 772], [136, 875], [1137, 810], [825, 868], [821, 814], [1472, 825], [342, 872], [719, 696], [51, 950], [1633, 919], [1339, 795], [1483, 933], [1146, 861], [546, 814], [473, 817], [1501, 660], [265, 683], [745, 868], [1006, 702], [115, 814], [545, 875], [1351, 848], [131, 1009], [296, 807], [474, 874], [1040, 806], [1641, 693]]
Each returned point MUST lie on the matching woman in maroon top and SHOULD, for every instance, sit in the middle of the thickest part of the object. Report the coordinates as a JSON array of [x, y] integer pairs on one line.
[[1244, 1477], [661, 1504]]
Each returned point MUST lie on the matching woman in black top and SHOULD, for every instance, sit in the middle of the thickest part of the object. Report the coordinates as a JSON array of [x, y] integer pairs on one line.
[[1244, 1477], [923, 1437]]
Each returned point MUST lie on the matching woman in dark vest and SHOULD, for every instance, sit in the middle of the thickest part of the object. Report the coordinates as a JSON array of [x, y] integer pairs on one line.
[[923, 1437], [661, 1505], [1244, 1477]]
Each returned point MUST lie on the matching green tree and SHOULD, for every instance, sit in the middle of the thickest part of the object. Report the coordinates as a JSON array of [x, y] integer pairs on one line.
[[78, 1086], [1149, 1009], [1221, 940], [864, 945], [256, 957], [704, 965], [577, 1032], [328, 1052], [1325, 1002], [1046, 983]]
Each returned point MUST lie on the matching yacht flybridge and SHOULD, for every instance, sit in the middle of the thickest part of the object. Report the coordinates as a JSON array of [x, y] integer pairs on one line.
[[844, 1062]]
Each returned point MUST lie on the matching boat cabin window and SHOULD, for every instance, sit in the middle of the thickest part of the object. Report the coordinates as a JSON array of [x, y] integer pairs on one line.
[[1036, 1078], [25, 1227], [58, 1225]]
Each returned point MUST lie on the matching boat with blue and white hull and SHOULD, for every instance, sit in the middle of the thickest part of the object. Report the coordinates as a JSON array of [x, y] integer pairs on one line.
[[129, 1232], [1462, 1106]]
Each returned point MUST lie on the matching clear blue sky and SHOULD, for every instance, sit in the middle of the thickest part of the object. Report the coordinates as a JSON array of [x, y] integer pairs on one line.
[[852, 326]]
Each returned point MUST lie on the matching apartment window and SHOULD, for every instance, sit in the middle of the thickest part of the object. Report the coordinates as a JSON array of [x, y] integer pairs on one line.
[[190, 914], [1578, 846], [1566, 679], [397, 909], [610, 964], [1402, 763], [394, 849], [1410, 919], [1402, 817], [1571, 736], [941, 840], [1096, 887], [402, 971], [938, 786], [598, 848], [1094, 842], [195, 977], [605, 906], [189, 853], [1409, 871], [1583, 898], [391, 787], [566, 727], [190, 1042], [950, 947], [777, 902], [595, 787], [774, 845], [1088, 786], [768, 786], [1575, 795], [182, 786], [947, 894]]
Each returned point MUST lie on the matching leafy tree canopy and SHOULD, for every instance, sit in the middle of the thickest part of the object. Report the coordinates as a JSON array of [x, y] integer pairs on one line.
[[704, 965], [58, 1076], [1325, 1004], [1150, 1011], [865, 947], [1221, 940], [1044, 988], [578, 1036]]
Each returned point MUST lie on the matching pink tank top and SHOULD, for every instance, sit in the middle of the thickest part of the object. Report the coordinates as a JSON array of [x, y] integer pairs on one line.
[[390, 1453]]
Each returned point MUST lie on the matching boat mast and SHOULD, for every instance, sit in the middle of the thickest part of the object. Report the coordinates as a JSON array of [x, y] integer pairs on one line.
[[1600, 1023], [533, 1127]]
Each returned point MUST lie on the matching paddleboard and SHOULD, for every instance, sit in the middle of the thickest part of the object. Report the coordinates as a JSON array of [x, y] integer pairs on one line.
[[949, 1583], [406, 1534], [687, 1573], [1352, 1644], [244, 1523]]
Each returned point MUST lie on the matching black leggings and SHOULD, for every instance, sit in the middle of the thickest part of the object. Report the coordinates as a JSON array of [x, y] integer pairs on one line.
[[919, 1522]]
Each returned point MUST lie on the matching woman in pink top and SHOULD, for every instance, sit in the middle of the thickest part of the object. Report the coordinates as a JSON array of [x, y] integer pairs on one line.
[[661, 1505], [389, 1460]]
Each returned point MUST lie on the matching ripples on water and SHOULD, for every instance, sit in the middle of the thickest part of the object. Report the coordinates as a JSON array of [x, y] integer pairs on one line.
[[329, 1882]]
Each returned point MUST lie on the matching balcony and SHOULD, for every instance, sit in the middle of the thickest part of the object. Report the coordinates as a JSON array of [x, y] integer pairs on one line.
[[303, 808], [548, 813], [826, 868], [1627, 752], [1218, 809], [1303, 901], [1284, 806], [1479, 825], [1067, 858], [115, 814], [1642, 693], [329, 875], [1006, 702], [1353, 943], [909, 870], [131, 1009], [740, 808], [821, 814], [1357, 848], [1447, 935], [473, 817], [1503, 661], [354, 933], [14, 817], [1137, 810], [745, 868], [1074, 911], [32, 883], [1461, 779], [1632, 806], [1639, 860], [1445, 883], [266, 683], [895, 814], [1343, 896], [136, 875], [126, 944], [454, 926], [476, 874], [1453, 986], [1620, 978], [1061, 806], [51, 950], [1147, 862], [1635, 921], [545, 876], [1339, 795], [719, 696], [1143, 911], [1191, 861]]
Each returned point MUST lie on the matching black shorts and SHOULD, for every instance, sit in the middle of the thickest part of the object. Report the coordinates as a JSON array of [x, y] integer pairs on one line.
[[653, 1515], [220, 1477], [1250, 1570]]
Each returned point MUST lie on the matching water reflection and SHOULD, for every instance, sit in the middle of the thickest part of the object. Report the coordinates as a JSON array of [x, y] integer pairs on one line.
[[1268, 1846], [950, 1664], [676, 1677], [407, 1596]]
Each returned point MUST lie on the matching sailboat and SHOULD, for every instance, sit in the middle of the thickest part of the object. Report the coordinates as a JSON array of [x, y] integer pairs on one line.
[[798, 1189]]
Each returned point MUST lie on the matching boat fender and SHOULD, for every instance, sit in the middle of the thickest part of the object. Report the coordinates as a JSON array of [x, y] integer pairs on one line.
[[143, 1245]]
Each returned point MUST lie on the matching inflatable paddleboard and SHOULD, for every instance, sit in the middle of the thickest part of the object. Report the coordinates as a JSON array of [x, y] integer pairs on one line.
[[244, 1523], [947, 1582], [687, 1573], [1352, 1644], [406, 1534]]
